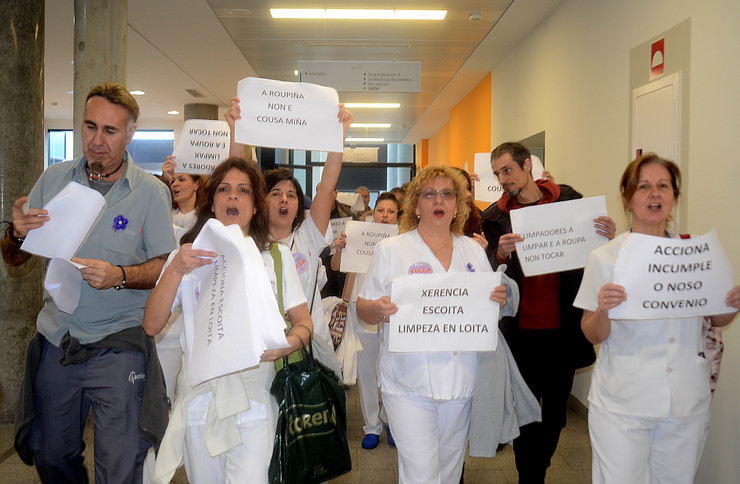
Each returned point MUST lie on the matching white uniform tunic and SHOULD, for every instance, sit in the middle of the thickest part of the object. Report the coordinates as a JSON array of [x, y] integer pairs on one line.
[[646, 368], [443, 375], [649, 391], [306, 243]]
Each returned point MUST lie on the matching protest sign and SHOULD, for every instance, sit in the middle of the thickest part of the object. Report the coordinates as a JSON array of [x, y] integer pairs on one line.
[[72, 212], [557, 236], [444, 312], [226, 331], [337, 226], [672, 278], [201, 146], [361, 240], [488, 189], [291, 115], [352, 200]]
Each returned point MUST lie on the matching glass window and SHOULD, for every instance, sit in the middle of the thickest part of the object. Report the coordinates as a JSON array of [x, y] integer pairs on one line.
[[149, 148]]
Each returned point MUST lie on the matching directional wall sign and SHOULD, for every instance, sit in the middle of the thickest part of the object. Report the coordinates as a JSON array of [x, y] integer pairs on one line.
[[363, 76]]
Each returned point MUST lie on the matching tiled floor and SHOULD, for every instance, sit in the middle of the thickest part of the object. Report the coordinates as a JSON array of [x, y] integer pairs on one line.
[[570, 465]]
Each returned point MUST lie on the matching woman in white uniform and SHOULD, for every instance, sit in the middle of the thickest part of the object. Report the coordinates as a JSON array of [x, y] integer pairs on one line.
[[305, 233], [226, 426], [187, 194], [385, 212], [649, 398], [427, 396]]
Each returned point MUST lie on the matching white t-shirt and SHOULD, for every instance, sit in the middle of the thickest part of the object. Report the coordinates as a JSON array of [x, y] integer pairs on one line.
[[645, 368], [306, 243], [443, 375]]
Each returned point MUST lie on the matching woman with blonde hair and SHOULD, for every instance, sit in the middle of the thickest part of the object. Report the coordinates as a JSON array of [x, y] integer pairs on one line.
[[427, 396]]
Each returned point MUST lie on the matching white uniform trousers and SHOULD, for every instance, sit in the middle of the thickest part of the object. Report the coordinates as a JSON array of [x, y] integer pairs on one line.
[[244, 464], [431, 437], [641, 450], [367, 380]]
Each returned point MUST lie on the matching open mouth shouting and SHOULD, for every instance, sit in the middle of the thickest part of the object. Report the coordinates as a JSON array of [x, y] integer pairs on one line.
[[283, 211], [232, 211], [439, 213]]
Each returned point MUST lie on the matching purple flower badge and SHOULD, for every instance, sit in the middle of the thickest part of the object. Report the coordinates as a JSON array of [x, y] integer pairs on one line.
[[119, 223]]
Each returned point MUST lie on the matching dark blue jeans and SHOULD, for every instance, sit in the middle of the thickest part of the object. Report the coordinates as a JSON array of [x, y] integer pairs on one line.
[[112, 383]]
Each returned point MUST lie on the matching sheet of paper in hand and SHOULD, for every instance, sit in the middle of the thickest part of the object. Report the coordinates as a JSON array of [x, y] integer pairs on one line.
[[362, 237], [557, 236], [201, 146], [230, 315], [672, 278], [291, 115], [72, 212], [444, 312], [488, 189]]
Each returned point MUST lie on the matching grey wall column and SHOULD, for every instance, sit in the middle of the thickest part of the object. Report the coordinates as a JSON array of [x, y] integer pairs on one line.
[[21, 163], [101, 28], [200, 111]]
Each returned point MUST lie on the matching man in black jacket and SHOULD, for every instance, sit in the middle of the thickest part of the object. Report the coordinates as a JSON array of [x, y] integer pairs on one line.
[[545, 336]]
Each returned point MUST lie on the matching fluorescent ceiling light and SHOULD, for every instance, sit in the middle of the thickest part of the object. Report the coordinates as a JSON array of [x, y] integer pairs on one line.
[[173, 112], [357, 14], [373, 105], [137, 93], [352, 43], [364, 140], [370, 125]]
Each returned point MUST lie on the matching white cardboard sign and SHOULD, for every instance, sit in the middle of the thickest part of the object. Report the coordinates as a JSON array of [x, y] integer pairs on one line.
[[337, 226], [72, 213], [444, 312], [488, 189], [670, 278], [362, 237], [557, 236], [290, 115], [226, 331], [201, 146], [353, 200]]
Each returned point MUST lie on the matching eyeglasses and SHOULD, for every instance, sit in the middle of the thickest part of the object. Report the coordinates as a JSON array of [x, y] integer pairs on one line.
[[430, 194]]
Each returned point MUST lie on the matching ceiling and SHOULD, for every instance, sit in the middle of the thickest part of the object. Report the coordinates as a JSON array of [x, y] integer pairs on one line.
[[209, 45]]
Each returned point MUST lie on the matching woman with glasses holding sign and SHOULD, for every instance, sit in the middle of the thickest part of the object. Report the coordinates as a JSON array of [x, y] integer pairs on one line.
[[427, 396], [650, 390]]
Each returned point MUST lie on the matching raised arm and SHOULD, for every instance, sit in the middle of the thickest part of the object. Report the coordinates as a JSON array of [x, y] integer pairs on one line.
[[323, 201], [234, 113]]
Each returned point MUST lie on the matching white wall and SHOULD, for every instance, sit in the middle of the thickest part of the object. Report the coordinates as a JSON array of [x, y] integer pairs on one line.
[[570, 78]]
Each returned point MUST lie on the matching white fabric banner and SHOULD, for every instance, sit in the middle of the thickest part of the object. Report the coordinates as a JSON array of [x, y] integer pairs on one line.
[[672, 278], [557, 236], [291, 115], [444, 312], [201, 146], [362, 237], [488, 189], [72, 212], [230, 315]]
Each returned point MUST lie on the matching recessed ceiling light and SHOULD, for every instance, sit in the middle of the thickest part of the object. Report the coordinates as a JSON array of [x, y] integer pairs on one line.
[[357, 14], [70, 92], [173, 112], [373, 105], [295, 72], [364, 140], [137, 93], [370, 125]]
